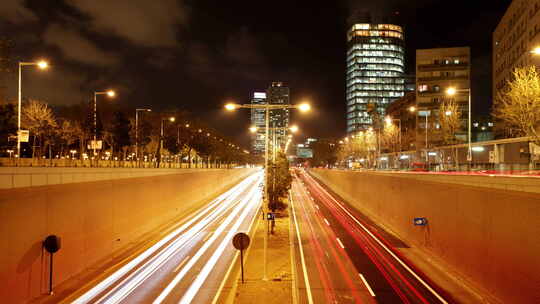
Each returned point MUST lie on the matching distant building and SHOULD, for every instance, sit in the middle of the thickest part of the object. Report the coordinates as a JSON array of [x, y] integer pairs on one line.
[[277, 93], [258, 120], [401, 109], [375, 71], [436, 71], [483, 129], [516, 35]]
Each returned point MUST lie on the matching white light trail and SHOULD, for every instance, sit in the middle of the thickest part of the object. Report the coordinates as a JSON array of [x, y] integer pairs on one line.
[[99, 288], [203, 274], [205, 246]]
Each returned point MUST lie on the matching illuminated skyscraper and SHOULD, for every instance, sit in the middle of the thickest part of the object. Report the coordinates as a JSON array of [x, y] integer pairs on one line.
[[257, 120], [375, 72], [277, 93]]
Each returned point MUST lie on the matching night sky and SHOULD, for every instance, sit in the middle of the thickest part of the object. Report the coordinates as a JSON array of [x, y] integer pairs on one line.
[[196, 55]]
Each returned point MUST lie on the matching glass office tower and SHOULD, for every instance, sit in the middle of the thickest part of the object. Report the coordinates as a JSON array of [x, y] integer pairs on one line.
[[375, 72]]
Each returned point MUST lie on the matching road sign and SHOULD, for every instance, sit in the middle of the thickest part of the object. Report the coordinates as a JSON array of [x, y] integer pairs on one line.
[[241, 242], [95, 144], [24, 135], [420, 221]]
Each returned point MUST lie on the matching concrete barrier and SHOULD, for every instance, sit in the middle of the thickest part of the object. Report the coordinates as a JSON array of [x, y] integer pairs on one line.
[[490, 236], [94, 219], [18, 177]]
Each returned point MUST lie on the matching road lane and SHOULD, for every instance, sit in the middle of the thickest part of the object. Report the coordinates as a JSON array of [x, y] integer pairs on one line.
[[327, 273], [386, 273], [189, 264]]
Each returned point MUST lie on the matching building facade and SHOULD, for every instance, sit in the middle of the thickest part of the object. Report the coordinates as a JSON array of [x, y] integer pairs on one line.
[[375, 72], [516, 35], [436, 71], [258, 121], [404, 111], [277, 93]]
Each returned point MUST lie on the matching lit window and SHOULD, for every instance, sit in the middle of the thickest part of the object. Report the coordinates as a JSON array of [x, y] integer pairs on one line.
[[456, 61], [475, 125], [422, 88], [490, 124], [436, 88]]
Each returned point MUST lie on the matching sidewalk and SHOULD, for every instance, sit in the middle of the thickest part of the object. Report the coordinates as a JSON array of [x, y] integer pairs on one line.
[[278, 288]]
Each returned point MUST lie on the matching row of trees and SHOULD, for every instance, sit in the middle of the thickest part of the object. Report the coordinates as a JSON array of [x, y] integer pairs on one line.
[[55, 132]]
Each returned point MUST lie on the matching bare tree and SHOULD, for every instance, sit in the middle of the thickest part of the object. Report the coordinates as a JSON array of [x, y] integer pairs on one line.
[[450, 123], [449, 120], [69, 133], [518, 106], [39, 119], [390, 137]]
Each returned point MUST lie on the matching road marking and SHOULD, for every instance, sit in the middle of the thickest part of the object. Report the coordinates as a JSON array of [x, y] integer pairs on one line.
[[326, 221], [340, 243], [235, 258], [367, 285], [208, 235], [302, 258], [181, 264], [439, 297]]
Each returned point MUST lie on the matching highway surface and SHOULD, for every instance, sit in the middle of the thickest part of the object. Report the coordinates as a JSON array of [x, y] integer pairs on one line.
[[340, 258], [189, 264]]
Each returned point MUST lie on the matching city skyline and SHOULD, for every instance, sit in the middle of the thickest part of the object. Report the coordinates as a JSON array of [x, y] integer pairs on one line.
[[84, 59]]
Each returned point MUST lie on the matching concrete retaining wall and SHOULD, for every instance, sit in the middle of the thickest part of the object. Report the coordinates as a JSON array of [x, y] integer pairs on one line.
[[94, 219], [491, 236]]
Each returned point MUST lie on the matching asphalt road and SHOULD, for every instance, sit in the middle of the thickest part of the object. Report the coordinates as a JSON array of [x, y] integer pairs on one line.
[[189, 264], [341, 257]]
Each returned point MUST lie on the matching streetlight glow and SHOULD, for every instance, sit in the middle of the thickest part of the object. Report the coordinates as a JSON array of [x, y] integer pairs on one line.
[[42, 64], [294, 129], [451, 91], [230, 107], [304, 107], [412, 109], [172, 119], [388, 120], [111, 93], [253, 129], [536, 51], [448, 113]]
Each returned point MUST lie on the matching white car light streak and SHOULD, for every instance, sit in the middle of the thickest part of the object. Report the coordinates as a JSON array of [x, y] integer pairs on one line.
[[205, 246], [229, 195]]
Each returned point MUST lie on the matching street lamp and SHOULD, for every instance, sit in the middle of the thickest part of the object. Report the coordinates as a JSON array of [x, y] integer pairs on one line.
[[137, 130], [303, 107], [451, 91], [41, 64], [110, 94], [536, 51]]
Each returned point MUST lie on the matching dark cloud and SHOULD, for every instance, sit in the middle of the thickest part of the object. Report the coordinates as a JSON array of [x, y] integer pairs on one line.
[[77, 48], [144, 22], [242, 48], [15, 11]]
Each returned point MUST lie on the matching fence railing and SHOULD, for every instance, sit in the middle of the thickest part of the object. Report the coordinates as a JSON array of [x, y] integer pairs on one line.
[[77, 163]]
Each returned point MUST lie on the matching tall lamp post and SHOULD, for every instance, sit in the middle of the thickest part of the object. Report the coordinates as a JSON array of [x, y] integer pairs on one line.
[[41, 65], [171, 119], [137, 131], [451, 92], [110, 94], [303, 107]]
